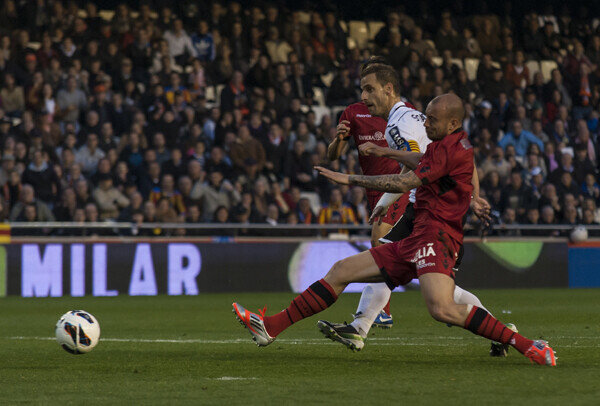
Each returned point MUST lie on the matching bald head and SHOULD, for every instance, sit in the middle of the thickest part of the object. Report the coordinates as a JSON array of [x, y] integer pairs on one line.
[[451, 105], [445, 114]]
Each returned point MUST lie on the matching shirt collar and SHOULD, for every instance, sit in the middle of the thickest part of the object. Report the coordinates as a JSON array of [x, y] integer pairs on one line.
[[394, 108]]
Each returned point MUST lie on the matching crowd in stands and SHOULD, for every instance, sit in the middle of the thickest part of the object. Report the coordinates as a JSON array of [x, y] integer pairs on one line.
[[113, 119]]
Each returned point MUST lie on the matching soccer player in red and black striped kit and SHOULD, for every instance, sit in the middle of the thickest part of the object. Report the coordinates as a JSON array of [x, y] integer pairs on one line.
[[443, 178]]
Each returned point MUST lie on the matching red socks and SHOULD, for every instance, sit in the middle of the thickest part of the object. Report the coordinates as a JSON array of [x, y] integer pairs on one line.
[[484, 324], [318, 297], [386, 308]]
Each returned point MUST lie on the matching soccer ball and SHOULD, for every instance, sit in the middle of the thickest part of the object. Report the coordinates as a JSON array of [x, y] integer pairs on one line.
[[77, 332], [579, 234]]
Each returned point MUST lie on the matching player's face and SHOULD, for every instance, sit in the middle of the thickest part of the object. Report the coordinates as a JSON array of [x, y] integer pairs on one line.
[[373, 95], [435, 125]]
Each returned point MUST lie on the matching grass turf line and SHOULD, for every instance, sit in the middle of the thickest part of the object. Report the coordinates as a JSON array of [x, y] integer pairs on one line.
[[203, 356]]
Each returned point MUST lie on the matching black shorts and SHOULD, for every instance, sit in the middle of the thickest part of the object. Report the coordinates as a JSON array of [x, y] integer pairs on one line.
[[404, 227]]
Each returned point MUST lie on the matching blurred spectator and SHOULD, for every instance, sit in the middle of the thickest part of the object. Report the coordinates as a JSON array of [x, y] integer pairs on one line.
[[336, 212], [71, 101], [488, 40], [234, 95], [520, 139], [510, 218], [518, 196], [89, 154], [204, 42], [247, 153], [180, 44], [216, 192], [42, 177], [298, 168], [108, 198], [167, 191], [497, 163], [341, 92], [27, 198], [12, 96], [383, 37], [305, 213]]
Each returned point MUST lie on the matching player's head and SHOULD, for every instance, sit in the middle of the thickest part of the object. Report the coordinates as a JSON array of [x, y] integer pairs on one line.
[[445, 115], [380, 86]]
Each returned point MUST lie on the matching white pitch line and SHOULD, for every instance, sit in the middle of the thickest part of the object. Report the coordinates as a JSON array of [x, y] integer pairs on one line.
[[375, 341]]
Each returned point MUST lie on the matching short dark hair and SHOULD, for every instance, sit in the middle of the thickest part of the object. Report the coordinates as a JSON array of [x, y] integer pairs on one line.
[[384, 72]]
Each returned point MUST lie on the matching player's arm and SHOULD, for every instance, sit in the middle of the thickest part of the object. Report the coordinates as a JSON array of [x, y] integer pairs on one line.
[[475, 182], [479, 205], [407, 158], [398, 183], [384, 202], [340, 144]]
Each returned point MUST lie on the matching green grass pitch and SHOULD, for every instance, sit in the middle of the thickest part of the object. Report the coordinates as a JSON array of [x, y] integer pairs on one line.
[[191, 350]]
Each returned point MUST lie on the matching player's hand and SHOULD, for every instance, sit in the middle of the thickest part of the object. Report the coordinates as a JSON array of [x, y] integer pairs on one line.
[[378, 213], [337, 177], [368, 149], [482, 209], [342, 131]]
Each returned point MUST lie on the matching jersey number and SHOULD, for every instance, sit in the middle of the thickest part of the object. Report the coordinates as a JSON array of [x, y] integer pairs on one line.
[[418, 117]]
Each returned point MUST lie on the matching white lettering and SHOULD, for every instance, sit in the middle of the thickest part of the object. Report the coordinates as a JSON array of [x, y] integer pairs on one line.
[[424, 252], [183, 278], [363, 115], [77, 270], [143, 281], [99, 272], [41, 277], [378, 136]]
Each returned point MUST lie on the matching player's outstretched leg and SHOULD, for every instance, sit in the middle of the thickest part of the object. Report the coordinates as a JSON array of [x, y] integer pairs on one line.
[[319, 296], [264, 329], [462, 296], [369, 308], [437, 290]]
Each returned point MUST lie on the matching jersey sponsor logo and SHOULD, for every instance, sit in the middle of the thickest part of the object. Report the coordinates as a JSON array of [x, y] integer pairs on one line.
[[422, 264], [400, 142], [424, 252], [378, 136], [465, 143], [363, 115]]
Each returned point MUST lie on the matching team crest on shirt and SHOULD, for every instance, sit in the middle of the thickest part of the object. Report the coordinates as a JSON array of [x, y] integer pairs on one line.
[[466, 144]]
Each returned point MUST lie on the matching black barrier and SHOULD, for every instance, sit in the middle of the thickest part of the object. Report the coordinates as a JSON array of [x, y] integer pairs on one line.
[[514, 264], [178, 268]]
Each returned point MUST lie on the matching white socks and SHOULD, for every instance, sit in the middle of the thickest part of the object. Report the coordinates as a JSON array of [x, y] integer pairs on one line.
[[462, 296], [374, 297]]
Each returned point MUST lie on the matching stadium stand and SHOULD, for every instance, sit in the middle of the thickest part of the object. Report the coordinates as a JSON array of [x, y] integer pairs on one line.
[[153, 95]]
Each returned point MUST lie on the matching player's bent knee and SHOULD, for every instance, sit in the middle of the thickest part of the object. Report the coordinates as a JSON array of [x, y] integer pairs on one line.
[[336, 272], [440, 312]]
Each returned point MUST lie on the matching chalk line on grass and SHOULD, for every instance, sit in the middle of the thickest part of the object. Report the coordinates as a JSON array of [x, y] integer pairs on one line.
[[428, 341]]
